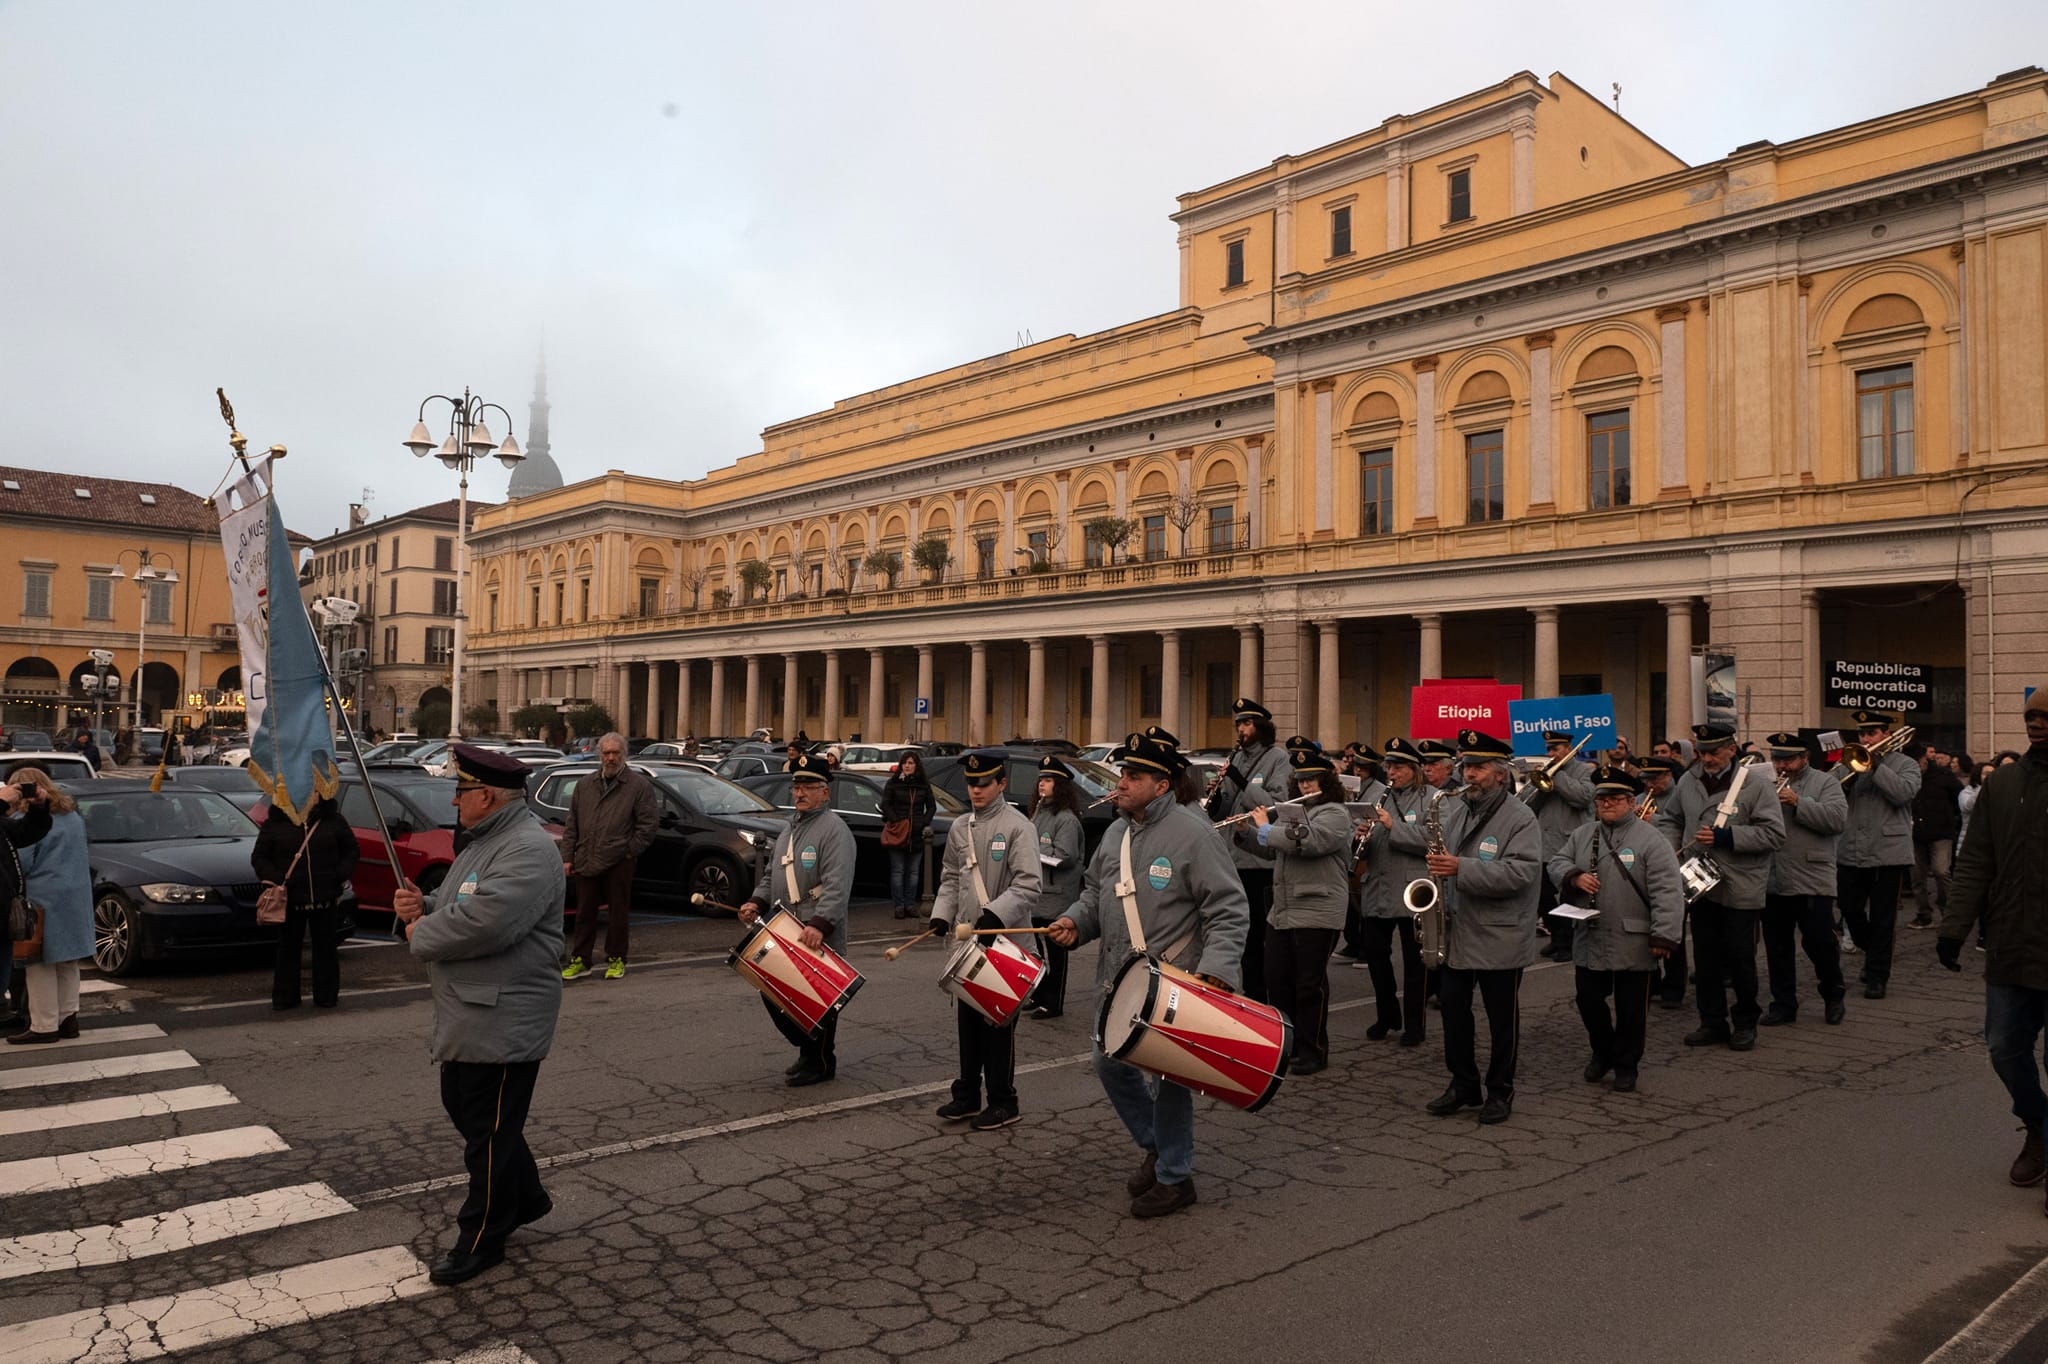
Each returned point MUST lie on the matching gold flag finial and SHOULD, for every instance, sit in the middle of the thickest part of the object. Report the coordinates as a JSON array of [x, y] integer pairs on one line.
[[236, 439]]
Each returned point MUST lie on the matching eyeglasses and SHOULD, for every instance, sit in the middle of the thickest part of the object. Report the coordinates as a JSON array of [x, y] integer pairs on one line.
[[465, 788]]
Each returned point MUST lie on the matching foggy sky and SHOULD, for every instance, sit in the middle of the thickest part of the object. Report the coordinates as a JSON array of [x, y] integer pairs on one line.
[[719, 217]]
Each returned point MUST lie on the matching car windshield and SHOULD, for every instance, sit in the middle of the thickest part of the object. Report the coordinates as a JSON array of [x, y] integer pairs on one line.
[[1097, 779], [947, 802], [59, 769], [145, 817], [435, 796], [713, 795]]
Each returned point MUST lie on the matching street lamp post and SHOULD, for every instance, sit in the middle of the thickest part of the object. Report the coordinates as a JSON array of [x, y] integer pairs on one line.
[[468, 441], [102, 660], [145, 574]]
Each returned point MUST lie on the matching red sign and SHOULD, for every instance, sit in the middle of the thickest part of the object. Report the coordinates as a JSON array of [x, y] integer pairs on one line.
[[1438, 710]]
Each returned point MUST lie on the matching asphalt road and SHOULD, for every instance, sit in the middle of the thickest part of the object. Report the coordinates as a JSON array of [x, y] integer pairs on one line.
[[1838, 1194]]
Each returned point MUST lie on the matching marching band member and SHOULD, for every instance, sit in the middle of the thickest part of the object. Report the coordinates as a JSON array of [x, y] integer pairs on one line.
[[1062, 850], [1740, 840], [1560, 810], [1876, 851], [1183, 899], [1438, 758], [1492, 870], [1257, 775], [1393, 857], [990, 880], [1311, 847], [810, 871], [1627, 871], [1800, 896]]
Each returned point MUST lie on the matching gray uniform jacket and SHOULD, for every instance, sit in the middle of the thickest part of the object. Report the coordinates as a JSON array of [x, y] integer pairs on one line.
[[1059, 835], [1006, 853], [1805, 864], [1755, 826], [1264, 769], [1499, 883], [1618, 939], [1880, 832], [1562, 809], [1393, 857], [1312, 867], [491, 936], [1185, 886], [820, 850]]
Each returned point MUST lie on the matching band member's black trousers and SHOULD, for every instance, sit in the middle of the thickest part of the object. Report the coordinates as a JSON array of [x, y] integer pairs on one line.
[[1258, 891], [818, 1054], [1560, 930], [487, 1102], [1813, 918], [987, 1053], [1617, 1039], [1404, 1009], [1724, 956], [1298, 985], [1051, 994], [1869, 898], [1501, 992], [1670, 973]]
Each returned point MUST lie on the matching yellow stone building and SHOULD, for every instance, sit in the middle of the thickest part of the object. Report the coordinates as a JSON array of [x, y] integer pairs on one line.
[[1499, 389]]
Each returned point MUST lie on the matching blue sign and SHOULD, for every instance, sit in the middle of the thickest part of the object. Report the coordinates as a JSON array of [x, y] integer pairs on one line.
[[922, 708], [1580, 716]]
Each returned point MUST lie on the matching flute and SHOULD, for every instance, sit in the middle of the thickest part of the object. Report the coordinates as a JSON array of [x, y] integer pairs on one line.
[[1269, 809]]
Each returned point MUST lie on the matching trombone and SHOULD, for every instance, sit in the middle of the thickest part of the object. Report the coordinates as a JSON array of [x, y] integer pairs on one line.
[[1545, 777], [1860, 758]]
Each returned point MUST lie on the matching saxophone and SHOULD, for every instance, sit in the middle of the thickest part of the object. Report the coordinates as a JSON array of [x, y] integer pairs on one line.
[[1424, 898]]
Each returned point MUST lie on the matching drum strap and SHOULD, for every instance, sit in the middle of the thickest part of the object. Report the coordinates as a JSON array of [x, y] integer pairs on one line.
[[1127, 892], [974, 866], [789, 873]]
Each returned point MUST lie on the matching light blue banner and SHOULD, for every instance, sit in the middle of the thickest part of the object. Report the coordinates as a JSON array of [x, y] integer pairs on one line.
[[291, 746], [1579, 716]]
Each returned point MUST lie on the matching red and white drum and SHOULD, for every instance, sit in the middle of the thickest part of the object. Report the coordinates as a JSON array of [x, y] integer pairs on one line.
[[1173, 1024], [808, 984], [992, 976]]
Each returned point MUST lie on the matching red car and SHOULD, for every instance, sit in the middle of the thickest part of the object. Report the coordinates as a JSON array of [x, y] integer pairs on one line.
[[420, 816]]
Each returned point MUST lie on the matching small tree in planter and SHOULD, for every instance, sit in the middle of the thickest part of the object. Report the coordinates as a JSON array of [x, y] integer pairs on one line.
[[533, 721], [886, 562], [754, 578], [721, 597], [932, 554], [695, 579], [1111, 532], [481, 718], [590, 719], [1183, 512]]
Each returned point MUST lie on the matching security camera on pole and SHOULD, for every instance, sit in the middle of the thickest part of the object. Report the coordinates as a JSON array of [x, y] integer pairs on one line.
[[102, 663], [337, 618], [468, 441]]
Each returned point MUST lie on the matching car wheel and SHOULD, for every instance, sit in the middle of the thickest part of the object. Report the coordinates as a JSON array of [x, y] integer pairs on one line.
[[116, 935], [715, 877]]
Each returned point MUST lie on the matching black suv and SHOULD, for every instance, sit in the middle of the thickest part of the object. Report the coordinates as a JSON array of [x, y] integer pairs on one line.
[[710, 839], [1092, 781]]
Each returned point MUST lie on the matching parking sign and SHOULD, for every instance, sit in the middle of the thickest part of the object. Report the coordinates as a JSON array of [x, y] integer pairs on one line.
[[922, 709]]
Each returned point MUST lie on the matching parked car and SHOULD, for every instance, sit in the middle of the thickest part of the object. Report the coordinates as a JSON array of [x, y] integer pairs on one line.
[[233, 784], [669, 750], [739, 766], [419, 814], [857, 796], [170, 874], [709, 840], [149, 745], [62, 767], [1092, 781], [880, 758], [29, 741]]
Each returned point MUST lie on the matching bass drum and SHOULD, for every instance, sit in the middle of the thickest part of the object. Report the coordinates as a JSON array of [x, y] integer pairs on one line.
[[1177, 1026]]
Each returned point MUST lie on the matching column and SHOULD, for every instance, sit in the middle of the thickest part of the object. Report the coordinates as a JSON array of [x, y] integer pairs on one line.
[[1809, 652], [1098, 691], [1397, 204], [715, 724], [1546, 650], [1430, 656], [924, 682], [751, 720], [873, 733], [1329, 708], [792, 710], [1247, 663], [1326, 459], [1541, 460], [1522, 166], [1425, 438], [1678, 668], [1671, 470], [685, 725], [622, 713], [1169, 683], [1034, 702], [977, 692], [828, 708]]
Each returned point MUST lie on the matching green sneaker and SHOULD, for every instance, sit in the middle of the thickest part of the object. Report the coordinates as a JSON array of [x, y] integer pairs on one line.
[[615, 968], [574, 969]]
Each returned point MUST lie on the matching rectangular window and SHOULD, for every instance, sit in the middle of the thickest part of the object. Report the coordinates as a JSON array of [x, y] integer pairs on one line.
[[533, 607], [781, 582], [1607, 459], [1222, 530], [393, 609], [444, 597], [1041, 546], [444, 554], [1340, 231], [391, 644], [561, 602], [1460, 184], [1221, 685], [1092, 548], [939, 694], [35, 592], [491, 612], [1484, 474], [1376, 491], [817, 572], [99, 598], [440, 644], [1233, 263], [583, 599], [394, 553], [892, 694], [160, 603], [1884, 422], [355, 557], [650, 594], [985, 555], [1155, 541], [1148, 689], [370, 554], [1087, 688]]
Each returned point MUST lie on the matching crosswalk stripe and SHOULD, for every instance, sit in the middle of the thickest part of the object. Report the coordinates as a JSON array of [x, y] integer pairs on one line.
[[116, 1109], [88, 1037], [105, 1068], [93, 985], [156, 1327], [164, 1232], [44, 1174]]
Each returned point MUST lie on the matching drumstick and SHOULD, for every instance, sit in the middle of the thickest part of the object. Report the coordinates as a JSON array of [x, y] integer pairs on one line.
[[708, 903], [903, 947], [963, 932]]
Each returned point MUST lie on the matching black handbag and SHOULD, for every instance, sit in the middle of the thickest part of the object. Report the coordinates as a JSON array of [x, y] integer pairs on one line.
[[24, 916]]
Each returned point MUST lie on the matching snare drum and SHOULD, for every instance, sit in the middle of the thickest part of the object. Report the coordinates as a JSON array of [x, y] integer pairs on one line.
[[1162, 1019], [992, 976], [807, 984]]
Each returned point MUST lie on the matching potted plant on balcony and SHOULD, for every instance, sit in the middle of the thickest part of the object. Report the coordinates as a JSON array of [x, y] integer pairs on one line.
[[1111, 532], [932, 554], [886, 562], [754, 578]]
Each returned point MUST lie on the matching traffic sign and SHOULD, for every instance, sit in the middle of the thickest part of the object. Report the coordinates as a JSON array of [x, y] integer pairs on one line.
[[922, 708]]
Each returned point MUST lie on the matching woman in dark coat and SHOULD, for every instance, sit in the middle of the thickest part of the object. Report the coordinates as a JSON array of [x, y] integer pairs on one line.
[[20, 832], [314, 893], [907, 795]]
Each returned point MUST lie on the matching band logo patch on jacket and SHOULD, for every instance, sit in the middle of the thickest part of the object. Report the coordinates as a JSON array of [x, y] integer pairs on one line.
[[1627, 857], [1160, 873], [1489, 848], [997, 846], [809, 857], [467, 888]]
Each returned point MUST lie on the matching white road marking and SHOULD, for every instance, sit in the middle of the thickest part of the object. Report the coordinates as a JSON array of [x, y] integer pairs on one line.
[[43, 1174], [93, 985], [2010, 1318], [156, 1327], [106, 1068], [117, 1109], [88, 1037], [164, 1232]]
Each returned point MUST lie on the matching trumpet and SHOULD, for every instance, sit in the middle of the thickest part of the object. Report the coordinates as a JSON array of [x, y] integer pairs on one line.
[[1860, 758], [1545, 777], [1648, 808], [1234, 820]]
